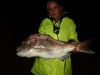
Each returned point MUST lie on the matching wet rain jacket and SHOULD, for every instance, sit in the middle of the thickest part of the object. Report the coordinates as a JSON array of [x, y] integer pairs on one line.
[[55, 66]]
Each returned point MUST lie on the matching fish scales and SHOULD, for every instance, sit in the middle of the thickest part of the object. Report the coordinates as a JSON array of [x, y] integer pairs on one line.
[[42, 45]]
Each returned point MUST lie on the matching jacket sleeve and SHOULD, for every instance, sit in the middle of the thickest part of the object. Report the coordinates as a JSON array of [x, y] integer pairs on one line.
[[41, 29], [73, 33]]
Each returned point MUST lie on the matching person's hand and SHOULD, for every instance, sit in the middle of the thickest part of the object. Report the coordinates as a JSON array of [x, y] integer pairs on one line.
[[73, 42]]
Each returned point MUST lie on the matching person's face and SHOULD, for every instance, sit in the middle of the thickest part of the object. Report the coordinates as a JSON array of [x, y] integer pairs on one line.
[[54, 10]]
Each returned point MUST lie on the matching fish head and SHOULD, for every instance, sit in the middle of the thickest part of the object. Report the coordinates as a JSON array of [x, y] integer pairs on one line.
[[25, 49], [26, 46]]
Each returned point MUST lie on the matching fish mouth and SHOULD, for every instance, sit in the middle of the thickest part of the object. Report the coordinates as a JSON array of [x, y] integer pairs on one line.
[[25, 53], [20, 54]]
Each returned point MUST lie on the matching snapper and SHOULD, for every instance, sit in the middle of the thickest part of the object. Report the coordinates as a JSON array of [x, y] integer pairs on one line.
[[42, 45]]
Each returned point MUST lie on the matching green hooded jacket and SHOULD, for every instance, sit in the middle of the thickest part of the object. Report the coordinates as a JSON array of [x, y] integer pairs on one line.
[[55, 66]]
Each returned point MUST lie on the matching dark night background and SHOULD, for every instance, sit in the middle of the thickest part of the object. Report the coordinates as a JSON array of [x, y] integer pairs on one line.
[[18, 19]]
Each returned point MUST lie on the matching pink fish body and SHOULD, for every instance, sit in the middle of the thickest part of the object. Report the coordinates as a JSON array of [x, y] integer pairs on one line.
[[41, 45]]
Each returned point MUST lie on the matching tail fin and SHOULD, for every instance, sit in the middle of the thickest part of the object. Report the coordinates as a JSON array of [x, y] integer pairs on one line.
[[83, 47]]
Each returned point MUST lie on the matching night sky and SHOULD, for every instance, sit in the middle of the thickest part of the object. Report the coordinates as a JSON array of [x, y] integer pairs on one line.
[[19, 19]]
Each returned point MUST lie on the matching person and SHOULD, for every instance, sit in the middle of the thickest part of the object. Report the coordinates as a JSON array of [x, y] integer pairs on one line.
[[60, 27]]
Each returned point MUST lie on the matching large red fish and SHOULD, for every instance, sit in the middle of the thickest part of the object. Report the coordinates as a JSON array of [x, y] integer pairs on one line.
[[40, 45]]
